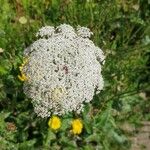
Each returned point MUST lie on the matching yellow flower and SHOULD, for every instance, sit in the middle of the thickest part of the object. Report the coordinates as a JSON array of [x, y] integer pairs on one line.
[[23, 20], [22, 77], [54, 123], [25, 60], [77, 126], [20, 68]]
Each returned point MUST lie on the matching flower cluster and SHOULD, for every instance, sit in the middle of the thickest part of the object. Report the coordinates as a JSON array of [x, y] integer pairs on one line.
[[63, 70]]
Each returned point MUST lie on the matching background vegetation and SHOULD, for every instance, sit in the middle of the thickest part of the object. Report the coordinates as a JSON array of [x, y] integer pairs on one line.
[[121, 28]]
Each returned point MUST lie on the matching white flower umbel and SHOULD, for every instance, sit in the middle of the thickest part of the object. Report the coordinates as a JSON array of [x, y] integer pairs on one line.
[[63, 70]]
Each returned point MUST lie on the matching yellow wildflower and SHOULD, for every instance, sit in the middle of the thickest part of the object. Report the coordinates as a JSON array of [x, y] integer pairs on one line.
[[25, 60], [54, 123], [77, 126], [20, 68], [23, 20], [22, 77]]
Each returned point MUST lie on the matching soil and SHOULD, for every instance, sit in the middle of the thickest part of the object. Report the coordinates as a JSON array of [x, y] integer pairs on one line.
[[141, 137]]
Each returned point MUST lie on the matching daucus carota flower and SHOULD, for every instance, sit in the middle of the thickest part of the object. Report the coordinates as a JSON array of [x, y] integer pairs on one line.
[[63, 70], [77, 126], [54, 123]]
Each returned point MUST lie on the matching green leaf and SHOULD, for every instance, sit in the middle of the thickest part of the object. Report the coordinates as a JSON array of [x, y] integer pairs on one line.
[[27, 145], [93, 138], [87, 119], [65, 123], [119, 138], [66, 142], [5, 66], [50, 136]]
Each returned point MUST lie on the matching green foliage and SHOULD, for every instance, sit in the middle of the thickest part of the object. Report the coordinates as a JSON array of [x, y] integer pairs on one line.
[[121, 29]]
